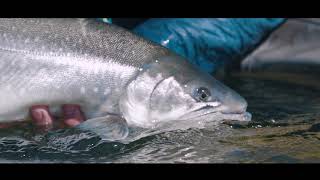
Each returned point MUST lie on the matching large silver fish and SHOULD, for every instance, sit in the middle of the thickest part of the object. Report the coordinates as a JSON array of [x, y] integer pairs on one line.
[[107, 70]]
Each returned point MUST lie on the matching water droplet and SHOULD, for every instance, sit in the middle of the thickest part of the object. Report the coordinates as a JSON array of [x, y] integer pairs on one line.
[[165, 42], [140, 69]]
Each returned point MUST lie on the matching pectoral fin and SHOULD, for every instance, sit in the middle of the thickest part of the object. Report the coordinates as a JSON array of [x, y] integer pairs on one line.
[[110, 127]]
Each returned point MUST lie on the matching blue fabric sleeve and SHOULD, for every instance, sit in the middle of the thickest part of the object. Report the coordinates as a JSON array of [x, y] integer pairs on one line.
[[209, 42]]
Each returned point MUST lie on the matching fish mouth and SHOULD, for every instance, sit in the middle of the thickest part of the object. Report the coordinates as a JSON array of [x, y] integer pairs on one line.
[[245, 116], [210, 115]]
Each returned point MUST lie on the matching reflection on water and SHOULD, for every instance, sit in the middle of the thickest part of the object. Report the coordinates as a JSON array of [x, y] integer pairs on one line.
[[285, 128]]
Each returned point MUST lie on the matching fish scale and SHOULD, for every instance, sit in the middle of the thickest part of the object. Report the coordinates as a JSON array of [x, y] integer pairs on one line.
[[117, 77], [50, 49]]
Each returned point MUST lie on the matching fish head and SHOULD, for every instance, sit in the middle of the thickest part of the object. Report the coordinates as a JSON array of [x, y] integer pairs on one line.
[[171, 89]]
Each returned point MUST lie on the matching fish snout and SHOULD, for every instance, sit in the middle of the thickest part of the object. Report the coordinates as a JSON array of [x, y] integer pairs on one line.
[[234, 104]]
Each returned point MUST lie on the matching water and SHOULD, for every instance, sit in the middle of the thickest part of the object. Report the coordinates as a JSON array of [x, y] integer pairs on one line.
[[285, 129]]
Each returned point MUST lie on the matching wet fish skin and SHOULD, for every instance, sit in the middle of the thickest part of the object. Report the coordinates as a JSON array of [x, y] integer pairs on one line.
[[54, 61], [85, 62]]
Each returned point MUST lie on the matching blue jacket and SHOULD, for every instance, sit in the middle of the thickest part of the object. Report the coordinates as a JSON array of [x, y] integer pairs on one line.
[[209, 42]]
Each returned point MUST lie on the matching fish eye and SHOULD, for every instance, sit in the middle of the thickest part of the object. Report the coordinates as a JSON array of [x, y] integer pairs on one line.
[[202, 94]]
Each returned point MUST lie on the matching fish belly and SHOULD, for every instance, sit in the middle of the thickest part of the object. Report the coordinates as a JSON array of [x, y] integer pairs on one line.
[[28, 79]]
